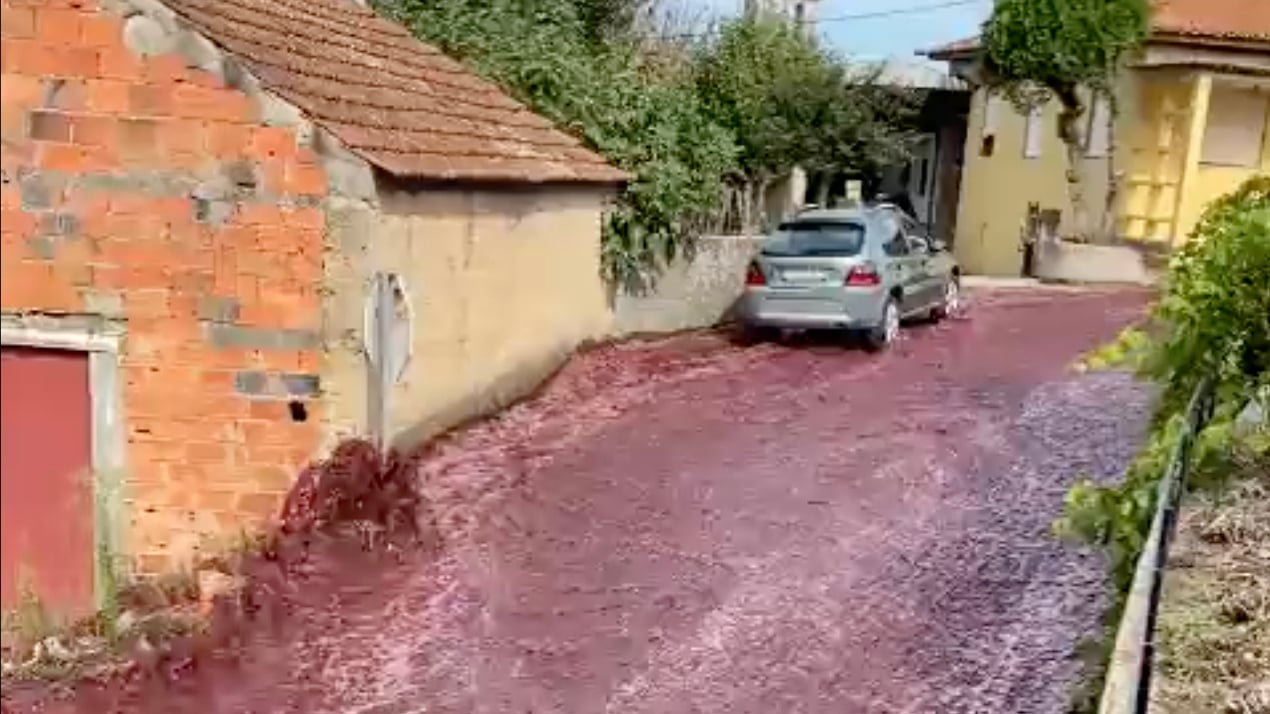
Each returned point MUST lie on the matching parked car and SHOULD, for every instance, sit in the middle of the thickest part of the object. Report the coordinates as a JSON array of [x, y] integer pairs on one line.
[[859, 269]]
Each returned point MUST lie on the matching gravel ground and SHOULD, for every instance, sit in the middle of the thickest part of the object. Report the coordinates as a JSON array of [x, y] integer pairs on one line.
[[691, 526]]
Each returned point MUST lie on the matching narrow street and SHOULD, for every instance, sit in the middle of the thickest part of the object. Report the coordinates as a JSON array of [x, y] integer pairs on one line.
[[691, 526]]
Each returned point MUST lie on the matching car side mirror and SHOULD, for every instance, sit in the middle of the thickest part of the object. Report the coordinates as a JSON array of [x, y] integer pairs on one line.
[[938, 246]]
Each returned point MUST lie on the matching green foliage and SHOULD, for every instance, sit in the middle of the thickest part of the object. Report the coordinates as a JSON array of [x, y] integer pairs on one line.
[[748, 79], [1214, 320], [1215, 316], [681, 122], [790, 103], [648, 123], [1059, 44]]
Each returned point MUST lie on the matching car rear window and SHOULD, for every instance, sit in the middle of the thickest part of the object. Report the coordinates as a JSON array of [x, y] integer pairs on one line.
[[805, 238]]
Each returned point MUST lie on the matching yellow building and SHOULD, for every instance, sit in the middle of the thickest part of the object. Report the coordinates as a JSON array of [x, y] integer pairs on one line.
[[1193, 125]]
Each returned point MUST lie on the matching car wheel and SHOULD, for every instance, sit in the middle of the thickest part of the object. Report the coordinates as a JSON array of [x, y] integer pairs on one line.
[[754, 335], [888, 330], [950, 303]]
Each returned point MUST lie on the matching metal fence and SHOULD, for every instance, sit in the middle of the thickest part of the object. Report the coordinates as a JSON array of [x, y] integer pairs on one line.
[[1127, 688]]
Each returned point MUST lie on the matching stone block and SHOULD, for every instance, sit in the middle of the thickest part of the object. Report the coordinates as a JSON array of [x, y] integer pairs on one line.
[[218, 309], [261, 338], [301, 385]]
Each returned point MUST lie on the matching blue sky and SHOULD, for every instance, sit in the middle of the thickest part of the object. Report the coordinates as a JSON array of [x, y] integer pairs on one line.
[[897, 35]]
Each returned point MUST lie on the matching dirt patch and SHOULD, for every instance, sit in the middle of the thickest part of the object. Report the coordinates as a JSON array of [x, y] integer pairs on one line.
[[1214, 627]]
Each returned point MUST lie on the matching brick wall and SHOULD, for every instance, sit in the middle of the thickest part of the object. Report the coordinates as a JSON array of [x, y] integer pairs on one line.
[[142, 190]]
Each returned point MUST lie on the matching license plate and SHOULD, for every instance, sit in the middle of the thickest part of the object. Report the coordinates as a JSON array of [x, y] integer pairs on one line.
[[802, 276]]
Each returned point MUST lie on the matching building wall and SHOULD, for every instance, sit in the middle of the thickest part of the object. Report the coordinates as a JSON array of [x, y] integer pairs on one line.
[[1158, 136], [996, 189], [1212, 180], [141, 191], [504, 284]]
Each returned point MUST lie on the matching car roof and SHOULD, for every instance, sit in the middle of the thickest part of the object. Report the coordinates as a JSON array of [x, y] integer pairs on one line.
[[867, 215]]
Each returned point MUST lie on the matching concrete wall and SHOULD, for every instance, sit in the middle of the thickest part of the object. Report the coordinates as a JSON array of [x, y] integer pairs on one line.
[[146, 198], [504, 285], [690, 293]]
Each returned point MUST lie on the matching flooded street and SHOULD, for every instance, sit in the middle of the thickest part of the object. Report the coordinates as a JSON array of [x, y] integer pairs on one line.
[[692, 526]]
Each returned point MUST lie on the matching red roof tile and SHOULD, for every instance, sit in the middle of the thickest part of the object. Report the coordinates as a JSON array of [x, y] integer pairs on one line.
[[1221, 19], [397, 102], [1234, 19]]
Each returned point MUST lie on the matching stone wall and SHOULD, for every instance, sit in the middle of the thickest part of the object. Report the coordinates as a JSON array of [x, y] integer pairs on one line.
[[691, 293], [142, 189]]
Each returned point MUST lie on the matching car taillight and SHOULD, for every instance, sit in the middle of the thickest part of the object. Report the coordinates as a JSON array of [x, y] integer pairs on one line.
[[863, 276], [754, 275]]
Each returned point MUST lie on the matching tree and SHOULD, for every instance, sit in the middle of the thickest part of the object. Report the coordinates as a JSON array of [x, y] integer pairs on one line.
[[750, 80], [1068, 50], [789, 103], [578, 69]]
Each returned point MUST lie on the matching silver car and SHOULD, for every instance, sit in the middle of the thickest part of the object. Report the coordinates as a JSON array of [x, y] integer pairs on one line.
[[861, 269]]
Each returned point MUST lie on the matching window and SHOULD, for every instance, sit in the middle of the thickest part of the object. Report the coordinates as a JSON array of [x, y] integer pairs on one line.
[[809, 238], [1236, 126], [1098, 137], [1032, 135], [898, 244]]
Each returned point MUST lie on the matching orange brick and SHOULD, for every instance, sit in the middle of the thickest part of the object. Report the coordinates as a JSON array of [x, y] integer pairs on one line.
[[261, 214], [100, 30], [151, 101], [16, 22], [58, 26], [272, 142], [59, 157], [260, 505], [195, 102], [15, 221], [305, 179], [117, 62], [108, 96], [165, 69], [33, 57], [139, 139], [228, 141], [182, 136], [19, 92], [94, 130]]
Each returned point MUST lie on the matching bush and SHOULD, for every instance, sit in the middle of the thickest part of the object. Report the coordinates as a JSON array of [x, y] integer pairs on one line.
[[1213, 320]]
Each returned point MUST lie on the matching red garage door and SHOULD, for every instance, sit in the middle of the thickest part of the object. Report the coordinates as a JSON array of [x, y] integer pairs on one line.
[[46, 508]]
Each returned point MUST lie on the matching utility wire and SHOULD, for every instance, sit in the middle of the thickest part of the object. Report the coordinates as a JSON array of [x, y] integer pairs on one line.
[[858, 16], [896, 11]]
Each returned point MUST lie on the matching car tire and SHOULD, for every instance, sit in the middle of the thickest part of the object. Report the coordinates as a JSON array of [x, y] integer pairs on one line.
[[755, 335], [881, 338], [950, 303]]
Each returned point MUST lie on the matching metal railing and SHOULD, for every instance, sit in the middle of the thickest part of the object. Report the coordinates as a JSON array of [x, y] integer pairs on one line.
[[1127, 688]]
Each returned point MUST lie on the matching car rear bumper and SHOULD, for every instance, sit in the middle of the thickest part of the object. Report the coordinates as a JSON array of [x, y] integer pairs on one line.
[[840, 309]]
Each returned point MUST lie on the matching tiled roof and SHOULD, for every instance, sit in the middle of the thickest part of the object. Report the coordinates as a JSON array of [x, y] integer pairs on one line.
[[1229, 19], [1221, 19], [393, 100]]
